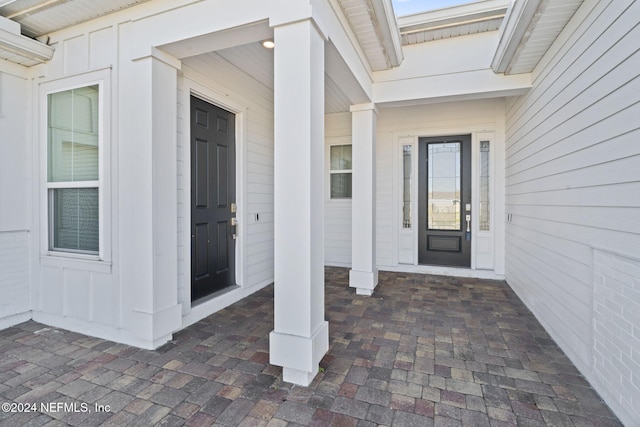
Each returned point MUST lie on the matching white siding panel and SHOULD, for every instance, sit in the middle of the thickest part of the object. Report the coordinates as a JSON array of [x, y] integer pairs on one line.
[[77, 290], [337, 213], [572, 176], [51, 291], [76, 54], [518, 267], [104, 300], [616, 305], [13, 153], [337, 226], [15, 304], [102, 48], [14, 275]]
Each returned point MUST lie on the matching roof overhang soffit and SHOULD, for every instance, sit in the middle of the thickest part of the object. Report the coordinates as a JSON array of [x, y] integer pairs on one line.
[[19, 49], [515, 26], [375, 27], [528, 31]]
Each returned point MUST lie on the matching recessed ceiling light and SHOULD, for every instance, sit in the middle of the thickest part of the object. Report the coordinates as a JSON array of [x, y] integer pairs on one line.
[[268, 44]]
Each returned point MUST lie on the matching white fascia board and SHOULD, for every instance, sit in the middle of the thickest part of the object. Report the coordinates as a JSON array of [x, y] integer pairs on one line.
[[23, 46], [9, 25], [514, 28], [389, 29], [474, 84]]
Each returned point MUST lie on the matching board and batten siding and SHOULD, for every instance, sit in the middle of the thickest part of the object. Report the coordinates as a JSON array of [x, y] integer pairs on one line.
[[73, 293], [15, 305], [572, 196], [451, 118], [94, 297]]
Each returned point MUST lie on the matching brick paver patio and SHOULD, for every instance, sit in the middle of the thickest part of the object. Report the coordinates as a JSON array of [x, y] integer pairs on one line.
[[422, 351]]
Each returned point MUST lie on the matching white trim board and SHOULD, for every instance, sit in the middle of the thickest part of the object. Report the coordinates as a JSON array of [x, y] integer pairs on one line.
[[443, 271]]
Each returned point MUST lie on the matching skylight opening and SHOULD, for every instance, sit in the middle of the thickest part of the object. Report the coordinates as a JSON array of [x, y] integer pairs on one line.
[[410, 7]]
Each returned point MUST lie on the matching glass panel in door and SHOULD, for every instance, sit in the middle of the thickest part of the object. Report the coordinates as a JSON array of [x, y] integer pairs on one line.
[[444, 186]]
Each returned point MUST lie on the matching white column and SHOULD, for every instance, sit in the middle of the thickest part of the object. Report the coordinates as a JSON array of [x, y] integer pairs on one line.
[[148, 197], [364, 274], [301, 335]]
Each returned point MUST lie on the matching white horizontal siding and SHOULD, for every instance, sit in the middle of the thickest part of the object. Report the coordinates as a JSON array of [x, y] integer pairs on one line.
[[572, 180], [221, 76], [337, 213]]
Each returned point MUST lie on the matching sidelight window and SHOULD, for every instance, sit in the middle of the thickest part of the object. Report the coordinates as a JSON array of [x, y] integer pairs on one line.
[[485, 218], [407, 177]]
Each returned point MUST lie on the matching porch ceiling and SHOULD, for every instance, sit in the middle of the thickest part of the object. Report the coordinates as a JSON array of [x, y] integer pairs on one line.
[[257, 61], [40, 17]]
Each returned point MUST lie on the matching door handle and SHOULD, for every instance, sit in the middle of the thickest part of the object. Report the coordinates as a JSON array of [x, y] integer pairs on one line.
[[468, 233], [234, 224], [234, 221]]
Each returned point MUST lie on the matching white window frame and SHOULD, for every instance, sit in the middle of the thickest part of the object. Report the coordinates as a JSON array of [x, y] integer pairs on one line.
[[338, 142], [101, 78]]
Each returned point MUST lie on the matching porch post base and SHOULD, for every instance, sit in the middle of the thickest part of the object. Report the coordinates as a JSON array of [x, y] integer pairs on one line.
[[299, 356], [301, 378], [364, 281]]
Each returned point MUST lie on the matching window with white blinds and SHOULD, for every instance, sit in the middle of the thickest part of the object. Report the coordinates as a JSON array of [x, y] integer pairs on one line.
[[340, 171], [73, 170]]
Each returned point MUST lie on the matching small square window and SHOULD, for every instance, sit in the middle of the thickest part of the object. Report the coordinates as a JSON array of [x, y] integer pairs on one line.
[[340, 171]]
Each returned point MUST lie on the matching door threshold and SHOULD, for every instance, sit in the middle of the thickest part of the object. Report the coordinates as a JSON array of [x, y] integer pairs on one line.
[[443, 271], [214, 295]]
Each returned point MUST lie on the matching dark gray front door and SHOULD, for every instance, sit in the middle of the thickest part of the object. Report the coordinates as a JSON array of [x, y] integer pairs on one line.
[[444, 207], [213, 196]]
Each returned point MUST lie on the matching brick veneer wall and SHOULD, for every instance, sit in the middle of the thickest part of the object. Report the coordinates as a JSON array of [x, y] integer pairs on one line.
[[616, 328]]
